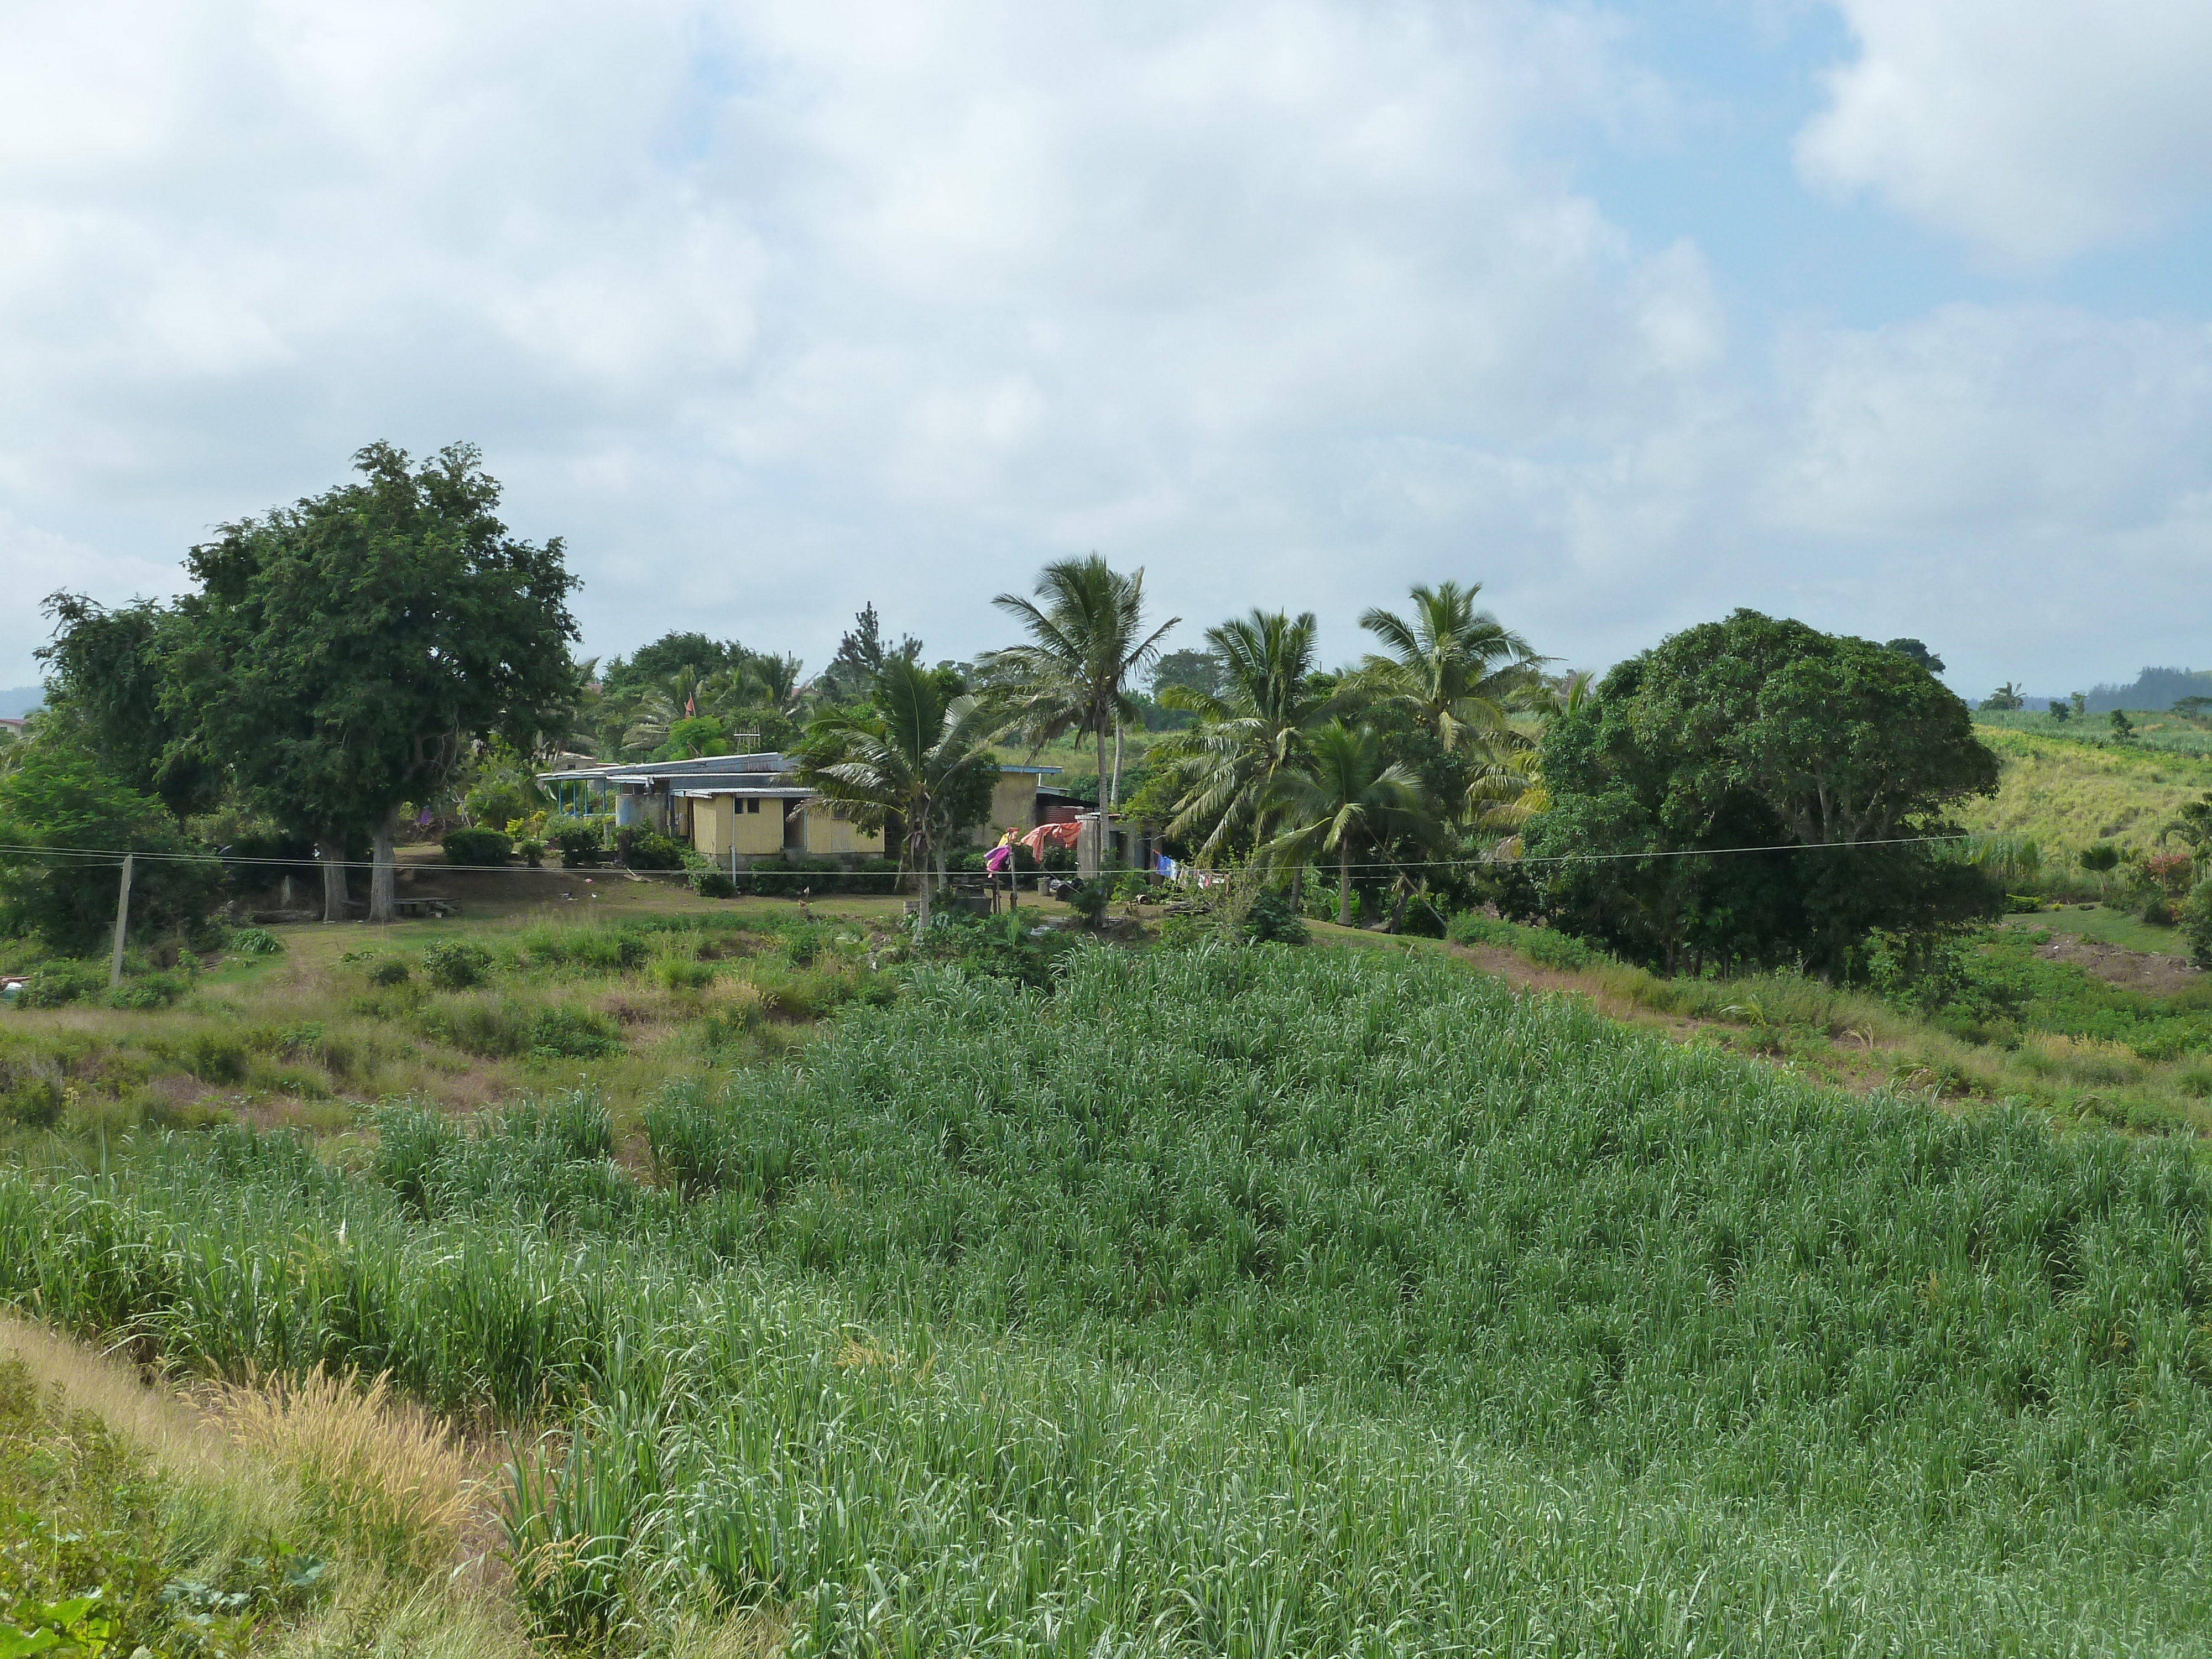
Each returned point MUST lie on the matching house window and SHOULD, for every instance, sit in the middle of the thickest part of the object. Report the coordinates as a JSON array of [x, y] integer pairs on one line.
[[753, 806]]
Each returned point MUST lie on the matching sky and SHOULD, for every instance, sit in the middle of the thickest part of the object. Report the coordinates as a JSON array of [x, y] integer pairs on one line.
[[1890, 315]]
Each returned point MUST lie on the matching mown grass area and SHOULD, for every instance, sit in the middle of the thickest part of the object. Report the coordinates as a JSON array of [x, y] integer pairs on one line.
[[453, 1013], [2109, 925], [1996, 1023], [1244, 1301], [2065, 794]]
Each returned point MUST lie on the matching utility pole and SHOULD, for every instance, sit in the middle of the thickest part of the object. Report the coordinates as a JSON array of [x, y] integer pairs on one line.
[[122, 921]]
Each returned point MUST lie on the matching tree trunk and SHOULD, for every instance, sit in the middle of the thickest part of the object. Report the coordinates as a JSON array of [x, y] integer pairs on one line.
[[332, 850], [383, 875], [920, 847], [1101, 794], [1114, 796], [1343, 885]]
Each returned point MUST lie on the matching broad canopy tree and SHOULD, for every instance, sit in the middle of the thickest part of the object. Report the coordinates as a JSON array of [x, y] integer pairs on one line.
[[1837, 754], [344, 652]]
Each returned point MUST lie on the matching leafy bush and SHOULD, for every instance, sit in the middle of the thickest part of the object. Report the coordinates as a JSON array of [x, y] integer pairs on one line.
[[532, 852], [63, 980], [476, 847], [639, 847], [1539, 944], [455, 964], [151, 991], [562, 1033], [1269, 920], [2196, 925], [1089, 900], [391, 971], [56, 796], [254, 942], [582, 842]]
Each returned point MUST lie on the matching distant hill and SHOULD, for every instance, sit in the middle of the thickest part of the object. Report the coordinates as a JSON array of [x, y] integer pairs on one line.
[[15, 704]]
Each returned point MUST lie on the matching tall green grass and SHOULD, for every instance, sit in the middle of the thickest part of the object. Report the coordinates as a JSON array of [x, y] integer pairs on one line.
[[1249, 1302]]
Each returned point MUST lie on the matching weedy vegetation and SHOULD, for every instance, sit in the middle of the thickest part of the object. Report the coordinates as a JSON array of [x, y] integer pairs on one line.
[[1243, 1300]]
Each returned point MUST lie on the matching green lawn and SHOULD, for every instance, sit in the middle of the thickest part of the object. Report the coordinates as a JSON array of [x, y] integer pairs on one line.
[[2109, 926]]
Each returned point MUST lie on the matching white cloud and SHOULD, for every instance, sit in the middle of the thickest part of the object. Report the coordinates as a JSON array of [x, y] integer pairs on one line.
[[2032, 129], [775, 308]]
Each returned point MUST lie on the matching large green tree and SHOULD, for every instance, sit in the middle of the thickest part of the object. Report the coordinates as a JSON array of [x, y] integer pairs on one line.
[[105, 671], [1833, 756], [1087, 639], [342, 654], [65, 821]]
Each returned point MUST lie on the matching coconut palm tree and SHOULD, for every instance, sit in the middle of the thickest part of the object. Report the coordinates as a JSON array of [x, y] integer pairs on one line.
[[1458, 668], [1249, 738], [1344, 799], [1087, 640], [915, 757]]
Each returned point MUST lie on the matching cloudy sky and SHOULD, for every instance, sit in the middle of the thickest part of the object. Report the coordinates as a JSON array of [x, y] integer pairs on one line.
[[1888, 314]]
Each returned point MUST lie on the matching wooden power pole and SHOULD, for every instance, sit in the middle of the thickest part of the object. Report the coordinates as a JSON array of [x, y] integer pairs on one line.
[[122, 921]]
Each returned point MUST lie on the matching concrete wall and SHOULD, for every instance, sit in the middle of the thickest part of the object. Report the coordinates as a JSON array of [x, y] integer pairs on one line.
[[1013, 802], [750, 826], [830, 833]]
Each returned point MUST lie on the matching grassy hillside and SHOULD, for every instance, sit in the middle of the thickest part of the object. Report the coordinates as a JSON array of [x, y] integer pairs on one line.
[[1247, 1302], [2066, 794], [2161, 733]]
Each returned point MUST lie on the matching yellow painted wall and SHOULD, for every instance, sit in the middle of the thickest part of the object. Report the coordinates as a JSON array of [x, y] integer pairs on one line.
[[710, 826], [720, 824], [1013, 802], [830, 833]]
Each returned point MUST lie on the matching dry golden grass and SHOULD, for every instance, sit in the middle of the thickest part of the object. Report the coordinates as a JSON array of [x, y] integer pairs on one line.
[[392, 1478], [165, 1426]]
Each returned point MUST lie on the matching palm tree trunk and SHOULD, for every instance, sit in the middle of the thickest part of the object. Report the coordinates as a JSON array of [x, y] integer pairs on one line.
[[1344, 883], [1103, 843], [919, 845]]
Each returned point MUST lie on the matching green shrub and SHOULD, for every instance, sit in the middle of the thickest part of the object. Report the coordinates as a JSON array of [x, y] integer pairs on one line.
[[582, 842], [151, 991], [1539, 944], [710, 882], [455, 964], [254, 942], [640, 847], [2197, 924], [63, 980], [562, 1033], [1270, 921], [31, 1103], [532, 852], [478, 848], [391, 971]]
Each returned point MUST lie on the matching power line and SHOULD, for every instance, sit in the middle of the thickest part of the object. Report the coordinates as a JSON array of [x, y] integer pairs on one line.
[[110, 857]]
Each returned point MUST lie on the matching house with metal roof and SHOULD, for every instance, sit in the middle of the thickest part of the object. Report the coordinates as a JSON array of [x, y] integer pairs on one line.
[[740, 808]]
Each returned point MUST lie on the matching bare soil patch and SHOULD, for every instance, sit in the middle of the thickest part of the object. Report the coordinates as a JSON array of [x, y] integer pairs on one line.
[[2154, 974]]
